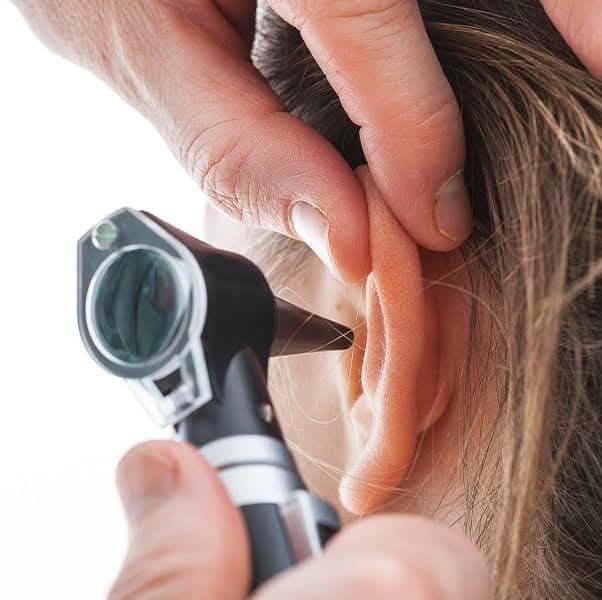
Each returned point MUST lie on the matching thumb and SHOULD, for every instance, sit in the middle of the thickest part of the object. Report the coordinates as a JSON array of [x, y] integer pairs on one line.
[[187, 540]]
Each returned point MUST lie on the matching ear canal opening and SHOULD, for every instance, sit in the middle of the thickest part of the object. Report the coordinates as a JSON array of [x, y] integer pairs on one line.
[[299, 331]]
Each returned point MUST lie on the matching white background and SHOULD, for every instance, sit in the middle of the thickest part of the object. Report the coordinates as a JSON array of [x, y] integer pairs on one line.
[[70, 152]]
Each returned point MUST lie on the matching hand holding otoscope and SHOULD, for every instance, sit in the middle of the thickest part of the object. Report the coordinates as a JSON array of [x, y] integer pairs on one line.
[[191, 329]]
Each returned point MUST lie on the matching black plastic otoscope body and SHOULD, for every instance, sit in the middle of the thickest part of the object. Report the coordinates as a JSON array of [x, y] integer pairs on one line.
[[237, 431], [192, 328], [285, 523]]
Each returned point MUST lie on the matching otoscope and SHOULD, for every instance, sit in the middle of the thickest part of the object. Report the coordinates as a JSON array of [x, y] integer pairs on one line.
[[191, 329]]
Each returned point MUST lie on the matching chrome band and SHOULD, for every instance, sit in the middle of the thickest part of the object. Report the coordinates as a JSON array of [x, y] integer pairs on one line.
[[247, 449], [259, 484], [302, 515]]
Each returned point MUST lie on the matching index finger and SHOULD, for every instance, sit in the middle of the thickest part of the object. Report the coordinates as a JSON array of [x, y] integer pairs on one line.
[[187, 68], [377, 56]]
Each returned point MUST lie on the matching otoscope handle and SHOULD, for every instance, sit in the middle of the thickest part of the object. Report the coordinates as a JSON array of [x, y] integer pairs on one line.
[[241, 439], [286, 524], [284, 535]]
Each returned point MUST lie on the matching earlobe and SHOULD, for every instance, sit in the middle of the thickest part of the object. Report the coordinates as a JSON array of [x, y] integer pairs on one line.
[[401, 371]]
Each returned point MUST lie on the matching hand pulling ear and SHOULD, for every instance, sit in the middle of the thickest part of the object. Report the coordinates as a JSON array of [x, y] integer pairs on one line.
[[405, 375]]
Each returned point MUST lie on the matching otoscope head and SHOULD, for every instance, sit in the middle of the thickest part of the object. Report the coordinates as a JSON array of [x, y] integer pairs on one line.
[[168, 313]]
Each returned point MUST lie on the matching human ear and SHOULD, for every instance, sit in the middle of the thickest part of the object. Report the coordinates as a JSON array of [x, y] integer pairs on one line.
[[409, 368]]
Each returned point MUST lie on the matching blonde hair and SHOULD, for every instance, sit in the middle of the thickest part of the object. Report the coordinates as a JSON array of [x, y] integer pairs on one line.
[[533, 120]]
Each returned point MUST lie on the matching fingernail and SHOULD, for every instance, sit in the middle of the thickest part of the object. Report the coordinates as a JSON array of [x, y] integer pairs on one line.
[[452, 211], [311, 226], [145, 480]]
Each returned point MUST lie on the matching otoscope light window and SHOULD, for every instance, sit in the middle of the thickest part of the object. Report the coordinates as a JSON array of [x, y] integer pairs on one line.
[[138, 306]]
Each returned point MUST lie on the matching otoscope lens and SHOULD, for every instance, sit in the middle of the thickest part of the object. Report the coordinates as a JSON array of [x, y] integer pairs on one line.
[[138, 306]]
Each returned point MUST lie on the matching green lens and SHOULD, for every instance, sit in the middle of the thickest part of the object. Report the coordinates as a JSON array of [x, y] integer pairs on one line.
[[138, 306]]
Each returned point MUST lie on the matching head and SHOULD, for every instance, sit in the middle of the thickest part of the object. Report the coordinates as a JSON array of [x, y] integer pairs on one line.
[[472, 393]]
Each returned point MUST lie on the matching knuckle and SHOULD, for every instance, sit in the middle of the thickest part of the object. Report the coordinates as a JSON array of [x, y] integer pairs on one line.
[[220, 176], [221, 166], [293, 11], [435, 134], [381, 22], [365, 12], [434, 124], [367, 8], [431, 124]]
